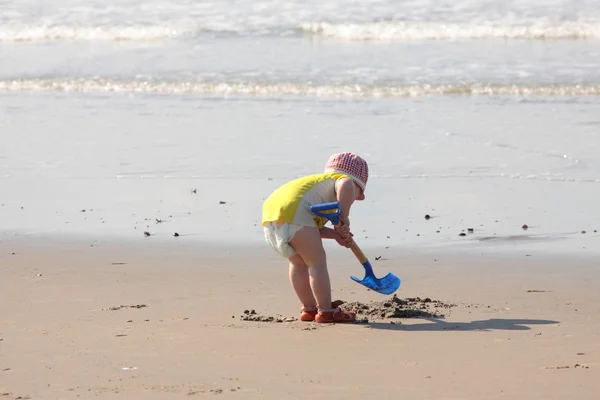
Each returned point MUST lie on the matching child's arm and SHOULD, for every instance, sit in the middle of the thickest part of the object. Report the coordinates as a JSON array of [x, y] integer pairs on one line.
[[346, 195], [328, 233]]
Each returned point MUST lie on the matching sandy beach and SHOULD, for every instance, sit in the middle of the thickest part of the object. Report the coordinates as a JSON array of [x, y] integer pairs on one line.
[[138, 141], [101, 319]]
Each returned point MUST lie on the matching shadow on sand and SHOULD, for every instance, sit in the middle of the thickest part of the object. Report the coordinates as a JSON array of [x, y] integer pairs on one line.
[[436, 324]]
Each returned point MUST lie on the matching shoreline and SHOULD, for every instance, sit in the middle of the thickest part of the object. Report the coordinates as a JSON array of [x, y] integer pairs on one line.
[[516, 246], [392, 219]]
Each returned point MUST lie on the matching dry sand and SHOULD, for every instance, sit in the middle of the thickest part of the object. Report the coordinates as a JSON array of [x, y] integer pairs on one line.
[[140, 321]]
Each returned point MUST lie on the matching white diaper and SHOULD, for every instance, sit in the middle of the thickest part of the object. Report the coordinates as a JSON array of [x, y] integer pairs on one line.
[[279, 237]]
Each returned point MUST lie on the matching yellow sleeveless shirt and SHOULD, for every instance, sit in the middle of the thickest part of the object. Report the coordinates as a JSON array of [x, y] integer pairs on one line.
[[291, 202]]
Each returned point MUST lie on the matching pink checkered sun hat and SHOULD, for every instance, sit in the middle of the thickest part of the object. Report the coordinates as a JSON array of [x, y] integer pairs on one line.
[[351, 165]]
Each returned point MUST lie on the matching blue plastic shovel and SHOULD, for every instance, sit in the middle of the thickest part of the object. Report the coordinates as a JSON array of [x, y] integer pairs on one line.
[[386, 285]]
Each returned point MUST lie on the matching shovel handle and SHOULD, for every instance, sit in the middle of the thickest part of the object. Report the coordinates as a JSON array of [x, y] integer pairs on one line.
[[333, 209], [363, 260], [359, 254], [334, 218]]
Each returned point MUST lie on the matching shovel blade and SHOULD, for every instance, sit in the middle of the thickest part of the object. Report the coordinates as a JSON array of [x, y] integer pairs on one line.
[[386, 285]]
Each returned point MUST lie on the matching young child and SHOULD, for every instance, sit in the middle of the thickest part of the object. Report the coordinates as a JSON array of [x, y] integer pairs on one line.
[[296, 233]]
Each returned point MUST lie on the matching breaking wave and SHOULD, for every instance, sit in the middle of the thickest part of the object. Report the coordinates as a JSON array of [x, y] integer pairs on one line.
[[285, 89], [406, 31], [110, 33], [368, 31]]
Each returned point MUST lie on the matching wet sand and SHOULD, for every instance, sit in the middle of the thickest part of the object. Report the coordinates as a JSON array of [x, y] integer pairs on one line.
[[141, 321]]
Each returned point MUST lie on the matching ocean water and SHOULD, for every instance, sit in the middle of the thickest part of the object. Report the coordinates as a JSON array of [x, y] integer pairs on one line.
[[484, 112]]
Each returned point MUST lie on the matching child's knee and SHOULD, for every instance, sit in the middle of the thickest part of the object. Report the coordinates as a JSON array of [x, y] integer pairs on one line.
[[297, 261]]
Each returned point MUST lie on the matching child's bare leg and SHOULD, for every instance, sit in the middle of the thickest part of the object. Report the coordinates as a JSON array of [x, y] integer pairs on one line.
[[309, 246], [300, 281]]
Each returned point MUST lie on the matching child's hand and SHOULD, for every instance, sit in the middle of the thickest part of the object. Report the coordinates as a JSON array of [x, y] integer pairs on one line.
[[343, 228], [346, 242]]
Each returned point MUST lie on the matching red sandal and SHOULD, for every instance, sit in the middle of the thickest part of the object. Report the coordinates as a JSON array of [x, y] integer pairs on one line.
[[337, 315], [307, 314]]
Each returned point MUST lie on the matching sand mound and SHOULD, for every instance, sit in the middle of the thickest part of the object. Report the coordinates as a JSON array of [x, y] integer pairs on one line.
[[389, 309], [395, 307]]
